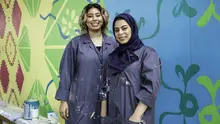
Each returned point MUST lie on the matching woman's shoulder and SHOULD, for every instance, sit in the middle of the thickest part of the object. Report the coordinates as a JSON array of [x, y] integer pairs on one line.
[[145, 51], [77, 39], [148, 49], [111, 40]]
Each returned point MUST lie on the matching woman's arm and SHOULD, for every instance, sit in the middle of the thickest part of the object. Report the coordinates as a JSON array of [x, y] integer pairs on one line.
[[150, 84]]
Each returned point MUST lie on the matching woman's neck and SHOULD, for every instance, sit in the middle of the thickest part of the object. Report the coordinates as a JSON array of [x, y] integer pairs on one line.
[[96, 37], [95, 34]]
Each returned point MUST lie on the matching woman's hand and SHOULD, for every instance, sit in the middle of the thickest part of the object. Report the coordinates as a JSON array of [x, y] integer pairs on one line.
[[135, 118], [139, 111], [64, 110]]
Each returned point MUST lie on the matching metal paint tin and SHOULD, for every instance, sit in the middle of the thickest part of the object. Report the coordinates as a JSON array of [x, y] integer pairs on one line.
[[31, 109]]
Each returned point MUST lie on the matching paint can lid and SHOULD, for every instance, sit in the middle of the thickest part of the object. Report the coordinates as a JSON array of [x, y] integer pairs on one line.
[[33, 102]]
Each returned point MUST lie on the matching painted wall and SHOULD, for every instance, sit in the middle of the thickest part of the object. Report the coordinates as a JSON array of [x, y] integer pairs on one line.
[[185, 33]]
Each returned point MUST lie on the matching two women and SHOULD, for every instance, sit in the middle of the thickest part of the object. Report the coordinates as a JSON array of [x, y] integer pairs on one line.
[[132, 72]]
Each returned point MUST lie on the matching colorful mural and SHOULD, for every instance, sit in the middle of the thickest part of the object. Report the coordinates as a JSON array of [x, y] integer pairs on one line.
[[34, 33]]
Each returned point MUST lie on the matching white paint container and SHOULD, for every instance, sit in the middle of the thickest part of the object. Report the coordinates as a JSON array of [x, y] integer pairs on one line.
[[31, 109]]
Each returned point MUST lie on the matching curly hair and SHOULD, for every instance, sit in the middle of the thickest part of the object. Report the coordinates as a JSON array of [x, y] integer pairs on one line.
[[82, 18]]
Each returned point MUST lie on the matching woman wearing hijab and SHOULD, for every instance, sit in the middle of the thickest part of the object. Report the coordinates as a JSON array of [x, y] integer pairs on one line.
[[132, 77]]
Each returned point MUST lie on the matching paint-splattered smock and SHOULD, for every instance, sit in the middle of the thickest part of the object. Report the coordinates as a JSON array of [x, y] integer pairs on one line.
[[140, 81], [80, 72]]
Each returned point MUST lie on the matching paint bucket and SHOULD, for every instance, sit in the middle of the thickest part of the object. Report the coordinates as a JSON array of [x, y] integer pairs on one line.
[[31, 109]]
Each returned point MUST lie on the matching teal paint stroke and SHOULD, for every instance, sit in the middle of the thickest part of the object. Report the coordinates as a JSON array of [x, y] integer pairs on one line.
[[142, 21], [159, 3], [183, 6], [184, 76]]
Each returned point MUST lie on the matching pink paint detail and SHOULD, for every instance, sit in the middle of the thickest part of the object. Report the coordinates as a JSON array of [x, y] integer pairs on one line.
[[2, 22], [16, 17], [4, 76], [19, 78]]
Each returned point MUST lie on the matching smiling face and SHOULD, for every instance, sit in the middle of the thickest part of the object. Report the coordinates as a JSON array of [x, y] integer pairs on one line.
[[94, 20], [122, 31]]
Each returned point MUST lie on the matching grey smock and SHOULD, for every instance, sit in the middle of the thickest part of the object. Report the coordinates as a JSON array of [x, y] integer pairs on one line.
[[139, 82], [80, 78]]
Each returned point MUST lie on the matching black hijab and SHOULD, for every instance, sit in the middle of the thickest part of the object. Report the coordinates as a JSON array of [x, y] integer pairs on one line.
[[124, 55]]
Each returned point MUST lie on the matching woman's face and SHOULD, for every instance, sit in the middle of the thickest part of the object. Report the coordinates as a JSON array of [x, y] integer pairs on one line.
[[94, 20], [122, 31]]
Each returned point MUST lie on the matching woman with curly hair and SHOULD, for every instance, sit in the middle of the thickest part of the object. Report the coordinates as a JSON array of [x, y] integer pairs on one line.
[[81, 68]]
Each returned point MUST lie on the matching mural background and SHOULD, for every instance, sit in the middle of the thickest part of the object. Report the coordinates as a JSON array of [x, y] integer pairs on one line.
[[185, 33]]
